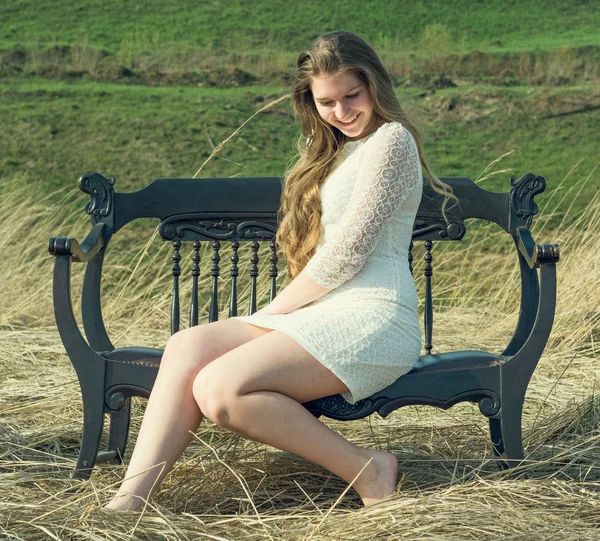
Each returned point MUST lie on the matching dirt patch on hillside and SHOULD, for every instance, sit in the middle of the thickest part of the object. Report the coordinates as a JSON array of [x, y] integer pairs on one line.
[[537, 103], [560, 67]]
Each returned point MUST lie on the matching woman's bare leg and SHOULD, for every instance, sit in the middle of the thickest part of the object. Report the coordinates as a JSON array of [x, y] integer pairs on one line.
[[258, 389], [172, 412]]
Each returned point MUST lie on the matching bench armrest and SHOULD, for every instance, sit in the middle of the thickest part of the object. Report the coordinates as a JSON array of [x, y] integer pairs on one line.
[[91, 252], [88, 364], [83, 252], [537, 308], [531, 257], [536, 254]]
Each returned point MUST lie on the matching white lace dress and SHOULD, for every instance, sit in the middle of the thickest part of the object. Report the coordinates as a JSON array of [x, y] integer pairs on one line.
[[366, 330]]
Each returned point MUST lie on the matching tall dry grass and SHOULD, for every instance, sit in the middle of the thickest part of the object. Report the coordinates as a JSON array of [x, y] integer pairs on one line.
[[225, 487]]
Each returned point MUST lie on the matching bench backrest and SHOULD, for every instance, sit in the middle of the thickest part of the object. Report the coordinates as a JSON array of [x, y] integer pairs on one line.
[[246, 209]]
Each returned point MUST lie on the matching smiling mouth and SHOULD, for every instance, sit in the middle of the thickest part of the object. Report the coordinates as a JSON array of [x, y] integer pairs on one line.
[[349, 123]]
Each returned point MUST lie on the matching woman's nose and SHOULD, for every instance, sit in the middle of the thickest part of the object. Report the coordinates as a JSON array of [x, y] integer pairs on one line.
[[342, 111]]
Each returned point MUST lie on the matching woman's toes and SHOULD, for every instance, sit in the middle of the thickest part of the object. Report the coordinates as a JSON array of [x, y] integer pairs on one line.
[[125, 502]]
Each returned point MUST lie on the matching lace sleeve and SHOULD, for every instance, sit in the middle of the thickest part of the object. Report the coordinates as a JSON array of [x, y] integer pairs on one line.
[[387, 174]]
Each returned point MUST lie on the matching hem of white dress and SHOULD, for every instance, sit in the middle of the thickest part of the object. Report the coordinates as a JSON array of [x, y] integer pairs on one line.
[[346, 395]]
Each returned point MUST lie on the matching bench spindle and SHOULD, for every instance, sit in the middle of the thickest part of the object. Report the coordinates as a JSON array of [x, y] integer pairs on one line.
[[410, 256], [428, 271], [253, 276], [215, 273], [175, 295], [233, 301], [195, 274], [273, 270]]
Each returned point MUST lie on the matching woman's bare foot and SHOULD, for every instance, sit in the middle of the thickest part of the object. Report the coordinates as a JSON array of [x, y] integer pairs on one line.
[[125, 502], [378, 480]]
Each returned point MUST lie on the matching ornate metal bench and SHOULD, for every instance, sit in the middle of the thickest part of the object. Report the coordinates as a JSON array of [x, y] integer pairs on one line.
[[245, 209]]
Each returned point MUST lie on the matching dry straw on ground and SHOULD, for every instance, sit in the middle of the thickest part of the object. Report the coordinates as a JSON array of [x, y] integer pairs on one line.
[[228, 488]]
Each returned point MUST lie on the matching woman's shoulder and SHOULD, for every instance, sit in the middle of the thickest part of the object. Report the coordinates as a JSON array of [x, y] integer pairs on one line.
[[392, 133], [392, 130], [389, 134]]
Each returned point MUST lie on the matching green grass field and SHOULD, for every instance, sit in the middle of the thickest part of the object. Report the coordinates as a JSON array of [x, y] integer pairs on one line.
[[59, 122], [239, 25], [55, 131]]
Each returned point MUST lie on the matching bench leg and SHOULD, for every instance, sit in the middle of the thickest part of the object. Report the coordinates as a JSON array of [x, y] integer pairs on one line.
[[506, 435], [93, 421], [119, 430]]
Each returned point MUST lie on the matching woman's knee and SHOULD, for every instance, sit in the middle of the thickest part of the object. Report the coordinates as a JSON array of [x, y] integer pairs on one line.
[[212, 398], [186, 349]]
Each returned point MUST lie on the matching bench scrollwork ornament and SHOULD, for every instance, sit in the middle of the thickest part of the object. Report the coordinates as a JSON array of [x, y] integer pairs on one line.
[[522, 205], [336, 407], [102, 196], [429, 223], [489, 404], [116, 396], [194, 227]]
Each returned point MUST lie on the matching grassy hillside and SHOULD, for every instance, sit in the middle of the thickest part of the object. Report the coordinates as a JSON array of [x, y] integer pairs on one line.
[[54, 131], [114, 25], [226, 43]]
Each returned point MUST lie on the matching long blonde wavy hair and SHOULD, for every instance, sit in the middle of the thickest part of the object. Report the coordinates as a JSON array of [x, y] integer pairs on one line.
[[299, 229]]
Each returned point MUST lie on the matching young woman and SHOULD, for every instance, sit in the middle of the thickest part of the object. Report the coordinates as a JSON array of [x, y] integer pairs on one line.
[[346, 323]]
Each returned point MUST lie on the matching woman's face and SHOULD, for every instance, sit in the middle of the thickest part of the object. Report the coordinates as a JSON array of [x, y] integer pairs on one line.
[[343, 101]]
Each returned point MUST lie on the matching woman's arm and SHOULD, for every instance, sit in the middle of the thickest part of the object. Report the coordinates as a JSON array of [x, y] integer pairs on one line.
[[300, 291], [385, 178], [388, 172]]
